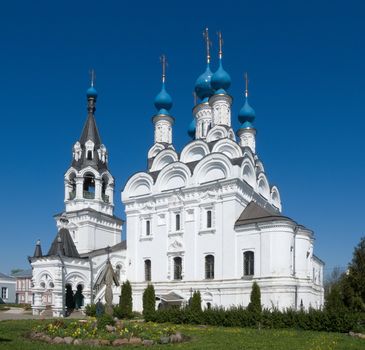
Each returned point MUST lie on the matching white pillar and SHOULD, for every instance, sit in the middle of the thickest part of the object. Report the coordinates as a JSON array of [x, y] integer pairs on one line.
[[98, 189], [79, 187], [221, 106], [247, 138], [163, 128], [38, 306], [203, 114]]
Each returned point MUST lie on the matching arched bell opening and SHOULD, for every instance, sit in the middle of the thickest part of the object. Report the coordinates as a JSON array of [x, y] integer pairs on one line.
[[89, 186]]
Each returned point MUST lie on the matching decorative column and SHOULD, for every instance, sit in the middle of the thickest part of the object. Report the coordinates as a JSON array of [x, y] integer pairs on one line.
[[37, 306], [79, 187], [98, 189], [221, 108]]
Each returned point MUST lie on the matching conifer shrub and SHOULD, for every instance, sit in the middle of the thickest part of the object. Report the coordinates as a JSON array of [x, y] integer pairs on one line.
[[255, 299], [124, 310], [149, 301], [196, 302], [90, 310]]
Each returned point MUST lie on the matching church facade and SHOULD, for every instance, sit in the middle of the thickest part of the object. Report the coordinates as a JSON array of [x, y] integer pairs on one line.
[[205, 218]]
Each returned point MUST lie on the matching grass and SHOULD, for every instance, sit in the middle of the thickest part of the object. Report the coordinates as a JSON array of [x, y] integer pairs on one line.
[[13, 336]]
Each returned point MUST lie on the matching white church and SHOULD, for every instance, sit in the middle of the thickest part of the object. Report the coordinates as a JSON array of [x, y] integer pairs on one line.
[[204, 218]]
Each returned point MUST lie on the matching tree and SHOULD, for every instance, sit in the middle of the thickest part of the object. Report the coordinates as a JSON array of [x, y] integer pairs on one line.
[[196, 302], [334, 300], [255, 299], [353, 284], [149, 301], [126, 304]]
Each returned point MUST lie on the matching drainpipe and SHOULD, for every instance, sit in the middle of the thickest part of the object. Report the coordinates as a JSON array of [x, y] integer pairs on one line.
[[59, 253], [294, 267], [63, 286], [91, 280]]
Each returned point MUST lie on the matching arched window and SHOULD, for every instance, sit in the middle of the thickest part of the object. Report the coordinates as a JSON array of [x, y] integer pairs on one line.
[[177, 268], [89, 155], [147, 270], [148, 227], [209, 267], [209, 218], [248, 263], [177, 222], [209, 306], [117, 271]]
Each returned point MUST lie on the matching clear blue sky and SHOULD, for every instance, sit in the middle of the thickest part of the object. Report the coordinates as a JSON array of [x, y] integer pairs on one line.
[[306, 65]]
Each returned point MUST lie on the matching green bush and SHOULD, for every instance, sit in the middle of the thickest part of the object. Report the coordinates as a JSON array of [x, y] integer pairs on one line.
[[105, 320], [315, 320], [125, 304], [90, 310], [149, 301], [255, 299], [196, 302]]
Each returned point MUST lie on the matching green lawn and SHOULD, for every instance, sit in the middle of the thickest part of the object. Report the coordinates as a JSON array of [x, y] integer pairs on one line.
[[13, 336]]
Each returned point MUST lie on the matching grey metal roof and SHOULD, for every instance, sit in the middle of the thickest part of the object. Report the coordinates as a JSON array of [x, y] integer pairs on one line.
[[170, 297], [66, 247], [119, 246], [6, 277], [90, 132], [37, 250], [23, 274], [254, 213]]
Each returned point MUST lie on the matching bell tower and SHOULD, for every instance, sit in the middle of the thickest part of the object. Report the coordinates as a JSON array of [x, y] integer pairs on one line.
[[89, 189]]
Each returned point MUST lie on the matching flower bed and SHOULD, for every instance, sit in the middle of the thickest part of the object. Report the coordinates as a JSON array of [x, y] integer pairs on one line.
[[97, 332]]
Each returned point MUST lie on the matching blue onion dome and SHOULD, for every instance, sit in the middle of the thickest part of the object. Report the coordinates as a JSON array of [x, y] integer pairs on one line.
[[221, 80], [163, 101], [203, 88], [246, 115], [91, 92], [192, 128]]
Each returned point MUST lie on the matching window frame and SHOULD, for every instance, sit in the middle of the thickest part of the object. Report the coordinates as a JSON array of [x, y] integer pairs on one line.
[[147, 270], [248, 263], [209, 266], [178, 274]]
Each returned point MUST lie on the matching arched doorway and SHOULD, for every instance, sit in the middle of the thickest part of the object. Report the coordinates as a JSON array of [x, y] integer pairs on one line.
[[79, 297]]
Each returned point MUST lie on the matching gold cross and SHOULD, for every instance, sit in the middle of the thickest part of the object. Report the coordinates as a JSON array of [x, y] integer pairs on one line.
[[208, 43]]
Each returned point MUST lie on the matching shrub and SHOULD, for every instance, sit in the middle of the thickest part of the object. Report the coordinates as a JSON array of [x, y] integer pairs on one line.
[[149, 301], [105, 320], [90, 310], [125, 304], [255, 299], [196, 302], [315, 320]]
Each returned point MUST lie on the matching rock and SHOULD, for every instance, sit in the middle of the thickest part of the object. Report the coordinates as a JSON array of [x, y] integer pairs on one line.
[[91, 342], [120, 342], [104, 342], [165, 340], [135, 341], [176, 338], [46, 338], [357, 335], [68, 340], [58, 340], [36, 335], [147, 342], [110, 328], [77, 342]]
